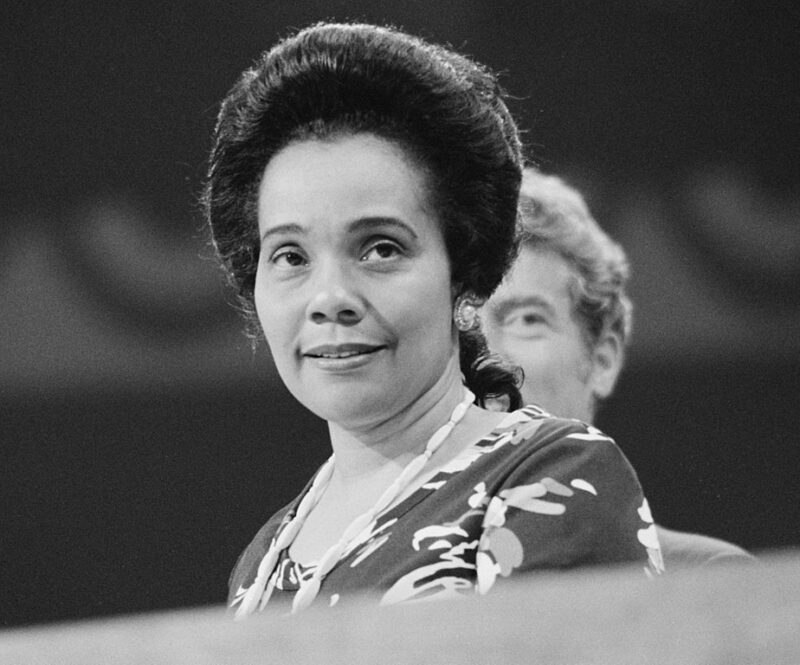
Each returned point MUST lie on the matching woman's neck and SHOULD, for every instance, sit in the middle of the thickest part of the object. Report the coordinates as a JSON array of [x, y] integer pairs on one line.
[[378, 453], [370, 460], [397, 438]]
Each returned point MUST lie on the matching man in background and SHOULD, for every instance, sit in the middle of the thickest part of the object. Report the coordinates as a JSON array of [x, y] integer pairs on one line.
[[563, 315]]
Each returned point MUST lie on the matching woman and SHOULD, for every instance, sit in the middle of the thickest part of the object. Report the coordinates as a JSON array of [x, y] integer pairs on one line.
[[362, 195]]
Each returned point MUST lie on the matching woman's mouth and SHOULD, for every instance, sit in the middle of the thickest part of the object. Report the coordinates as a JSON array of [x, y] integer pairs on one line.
[[344, 354], [341, 356]]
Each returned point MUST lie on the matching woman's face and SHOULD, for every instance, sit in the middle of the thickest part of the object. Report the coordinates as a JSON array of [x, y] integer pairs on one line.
[[353, 287]]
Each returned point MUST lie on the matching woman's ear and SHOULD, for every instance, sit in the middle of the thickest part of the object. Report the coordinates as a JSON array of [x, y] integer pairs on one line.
[[607, 359], [466, 311]]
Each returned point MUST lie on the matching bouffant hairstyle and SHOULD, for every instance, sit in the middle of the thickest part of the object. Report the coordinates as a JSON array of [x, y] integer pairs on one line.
[[444, 110]]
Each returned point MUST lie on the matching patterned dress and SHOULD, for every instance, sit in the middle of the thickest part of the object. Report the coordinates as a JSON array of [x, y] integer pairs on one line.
[[537, 493]]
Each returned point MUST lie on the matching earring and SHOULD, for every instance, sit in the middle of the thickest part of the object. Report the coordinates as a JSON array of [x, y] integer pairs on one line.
[[465, 313]]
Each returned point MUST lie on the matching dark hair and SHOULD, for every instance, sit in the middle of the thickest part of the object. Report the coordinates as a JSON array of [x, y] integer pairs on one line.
[[445, 110]]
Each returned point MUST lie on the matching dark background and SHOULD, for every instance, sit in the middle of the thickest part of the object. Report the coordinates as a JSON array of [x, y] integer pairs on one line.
[[143, 443]]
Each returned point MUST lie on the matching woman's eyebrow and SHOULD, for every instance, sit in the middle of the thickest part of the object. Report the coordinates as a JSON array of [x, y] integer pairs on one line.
[[370, 223], [283, 229], [358, 225]]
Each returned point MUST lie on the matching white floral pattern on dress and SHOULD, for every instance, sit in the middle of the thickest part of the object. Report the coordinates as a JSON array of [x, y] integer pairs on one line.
[[493, 528]]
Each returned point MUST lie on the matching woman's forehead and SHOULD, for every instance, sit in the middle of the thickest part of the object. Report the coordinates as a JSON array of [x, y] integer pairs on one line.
[[348, 178]]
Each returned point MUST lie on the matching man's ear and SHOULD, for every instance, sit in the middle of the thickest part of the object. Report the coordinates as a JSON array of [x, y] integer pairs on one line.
[[607, 359]]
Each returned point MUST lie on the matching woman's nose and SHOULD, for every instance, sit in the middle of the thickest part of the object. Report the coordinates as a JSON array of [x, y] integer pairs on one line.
[[335, 300]]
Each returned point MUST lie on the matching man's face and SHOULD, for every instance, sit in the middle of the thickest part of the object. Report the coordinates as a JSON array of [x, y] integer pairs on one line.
[[529, 320]]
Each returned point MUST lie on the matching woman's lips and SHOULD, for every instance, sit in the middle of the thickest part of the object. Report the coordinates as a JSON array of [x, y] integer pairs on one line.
[[340, 357], [341, 350]]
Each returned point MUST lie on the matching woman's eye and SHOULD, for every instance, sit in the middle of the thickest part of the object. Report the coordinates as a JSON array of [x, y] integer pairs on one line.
[[288, 258], [381, 251]]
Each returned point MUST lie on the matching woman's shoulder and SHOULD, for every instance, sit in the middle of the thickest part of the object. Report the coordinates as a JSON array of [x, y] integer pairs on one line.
[[244, 570], [531, 428], [530, 442]]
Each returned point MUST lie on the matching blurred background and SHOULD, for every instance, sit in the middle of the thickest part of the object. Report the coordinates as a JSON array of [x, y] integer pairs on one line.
[[144, 443]]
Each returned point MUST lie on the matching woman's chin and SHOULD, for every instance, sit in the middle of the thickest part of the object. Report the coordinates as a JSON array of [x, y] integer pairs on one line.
[[353, 407]]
